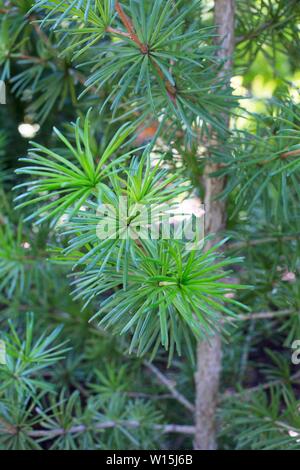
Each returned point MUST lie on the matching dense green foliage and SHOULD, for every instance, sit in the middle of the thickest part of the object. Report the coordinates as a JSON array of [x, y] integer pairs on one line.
[[127, 102]]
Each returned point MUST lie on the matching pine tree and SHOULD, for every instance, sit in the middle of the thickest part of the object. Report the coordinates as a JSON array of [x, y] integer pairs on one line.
[[112, 107]]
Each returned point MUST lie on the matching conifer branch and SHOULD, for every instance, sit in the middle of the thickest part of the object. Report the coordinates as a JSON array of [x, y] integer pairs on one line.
[[135, 55], [209, 353], [131, 424], [291, 153], [130, 28], [171, 90]]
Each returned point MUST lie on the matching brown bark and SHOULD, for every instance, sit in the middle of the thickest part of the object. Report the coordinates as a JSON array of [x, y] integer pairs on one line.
[[209, 353]]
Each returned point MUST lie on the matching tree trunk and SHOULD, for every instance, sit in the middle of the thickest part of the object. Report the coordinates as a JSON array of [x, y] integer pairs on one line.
[[209, 354]]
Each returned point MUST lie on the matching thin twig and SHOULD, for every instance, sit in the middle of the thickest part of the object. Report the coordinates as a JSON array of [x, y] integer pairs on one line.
[[209, 353], [260, 315], [260, 241], [162, 396], [171, 90], [176, 428], [257, 388], [111, 30], [130, 28], [52, 433], [170, 386], [28, 57], [291, 153], [268, 24], [10, 429]]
